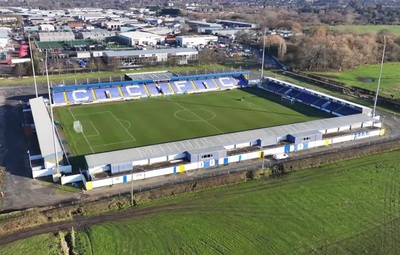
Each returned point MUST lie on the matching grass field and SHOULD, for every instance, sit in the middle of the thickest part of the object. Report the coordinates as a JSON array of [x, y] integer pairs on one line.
[[351, 207], [42, 244], [363, 29], [142, 122], [390, 81], [344, 208]]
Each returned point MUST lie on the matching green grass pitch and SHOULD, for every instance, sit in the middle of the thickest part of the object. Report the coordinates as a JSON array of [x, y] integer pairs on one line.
[[118, 125]]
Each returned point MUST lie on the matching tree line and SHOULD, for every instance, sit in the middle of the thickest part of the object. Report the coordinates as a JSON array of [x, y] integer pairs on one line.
[[323, 49]]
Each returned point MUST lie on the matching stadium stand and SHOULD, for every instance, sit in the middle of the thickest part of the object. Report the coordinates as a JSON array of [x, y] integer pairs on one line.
[[320, 102], [307, 98], [241, 81], [80, 95], [275, 87], [165, 88], [107, 93], [293, 93], [134, 91], [226, 82], [182, 86], [153, 89], [345, 110], [332, 106], [205, 84], [58, 98]]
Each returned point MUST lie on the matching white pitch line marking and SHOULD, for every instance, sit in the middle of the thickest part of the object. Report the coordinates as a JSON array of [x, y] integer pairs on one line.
[[106, 144], [219, 130], [97, 131], [133, 138], [69, 109]]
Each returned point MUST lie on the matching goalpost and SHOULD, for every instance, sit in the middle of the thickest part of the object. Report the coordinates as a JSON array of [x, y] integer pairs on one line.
[[78, 126]]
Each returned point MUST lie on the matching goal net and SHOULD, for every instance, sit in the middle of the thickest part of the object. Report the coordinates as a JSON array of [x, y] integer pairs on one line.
[[78, 126]]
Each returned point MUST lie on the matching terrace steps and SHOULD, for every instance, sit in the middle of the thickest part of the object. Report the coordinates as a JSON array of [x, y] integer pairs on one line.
[[147, 90], [120, 92], [65, 97], [169, 85], [216, 84], [194, 85], [94, 95]]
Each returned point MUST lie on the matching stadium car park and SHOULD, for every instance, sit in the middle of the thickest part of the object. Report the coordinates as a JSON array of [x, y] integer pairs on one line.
[[174, 131]]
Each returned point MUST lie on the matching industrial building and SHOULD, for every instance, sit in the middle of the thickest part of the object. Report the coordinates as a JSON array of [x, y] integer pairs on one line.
[[97, 34], [237, 24], [142, 57], [140, 38], [195, 40], [56, 36]]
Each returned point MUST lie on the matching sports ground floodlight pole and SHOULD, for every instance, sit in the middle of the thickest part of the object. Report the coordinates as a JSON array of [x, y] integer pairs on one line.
[[263, 55], [33, 66], [379, 78], [52, 116]]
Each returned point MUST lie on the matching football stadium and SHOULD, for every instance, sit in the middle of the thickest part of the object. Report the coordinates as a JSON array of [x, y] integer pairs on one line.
[[160, 123]]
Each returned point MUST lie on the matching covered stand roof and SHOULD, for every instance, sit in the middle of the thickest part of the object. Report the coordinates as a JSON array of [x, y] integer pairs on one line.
[[44, 129]]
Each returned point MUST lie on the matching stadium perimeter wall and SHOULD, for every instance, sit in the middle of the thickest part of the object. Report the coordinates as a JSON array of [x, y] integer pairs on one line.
[[128, 177]]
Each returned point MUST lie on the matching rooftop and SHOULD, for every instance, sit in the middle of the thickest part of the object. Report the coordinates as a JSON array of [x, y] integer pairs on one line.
[[127, 53], [43, 126]]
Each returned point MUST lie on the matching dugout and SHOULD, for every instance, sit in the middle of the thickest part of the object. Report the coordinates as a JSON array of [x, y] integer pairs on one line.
[[302, 137], [206, 154]]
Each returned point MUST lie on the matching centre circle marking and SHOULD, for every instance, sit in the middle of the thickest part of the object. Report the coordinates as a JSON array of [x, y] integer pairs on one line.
[[210, 115]]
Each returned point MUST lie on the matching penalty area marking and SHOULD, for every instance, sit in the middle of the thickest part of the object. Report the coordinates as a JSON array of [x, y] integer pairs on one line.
[[126, 121], [97, 131], [91, 148]]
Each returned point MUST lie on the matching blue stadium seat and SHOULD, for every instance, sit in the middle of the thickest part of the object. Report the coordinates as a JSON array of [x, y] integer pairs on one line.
[[182, 86], [80, 95], [58, 98], [320, 102], [333, 106], [274, 87], [154, 91], [293, 93], [205, 84], [241, 81], [307, 98], [163, 86], [101, 93], [134, 91], [226, 82], [345, 110]]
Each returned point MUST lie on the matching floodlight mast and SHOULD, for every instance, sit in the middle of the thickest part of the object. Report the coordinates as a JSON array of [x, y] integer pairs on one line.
[[263, 55], [52, 118], [33, 66], [379, 78]]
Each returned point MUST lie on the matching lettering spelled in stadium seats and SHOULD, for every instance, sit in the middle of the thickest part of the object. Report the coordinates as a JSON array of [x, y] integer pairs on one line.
[[133, 90], [226, 81], [77, 97]]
